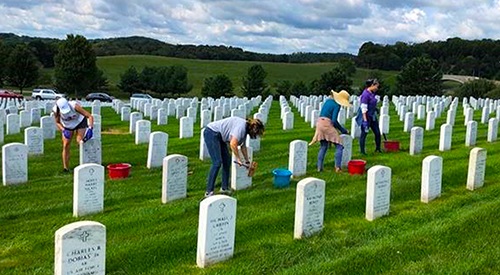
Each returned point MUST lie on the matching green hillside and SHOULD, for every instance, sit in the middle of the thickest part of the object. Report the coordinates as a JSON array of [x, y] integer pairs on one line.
[[198, 70]]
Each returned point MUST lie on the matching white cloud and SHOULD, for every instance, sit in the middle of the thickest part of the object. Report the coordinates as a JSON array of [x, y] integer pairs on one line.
[[279, 26]]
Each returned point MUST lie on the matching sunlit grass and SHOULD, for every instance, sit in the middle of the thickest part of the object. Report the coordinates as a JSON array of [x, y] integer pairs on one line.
[[457, 233]]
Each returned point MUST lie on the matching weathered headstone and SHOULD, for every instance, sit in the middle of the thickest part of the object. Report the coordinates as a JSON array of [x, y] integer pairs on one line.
[[239, 174], [378, 192], [205, 118], [384, 124], [88, 189], [432, 173], [157, 150], [355, 128], [33, 139], [471, 133], [80, 249], [297, 161], [162, 117], [416, 140], [24, 119], [309, 207], [216, 230], [174, 178], [186, 127], [477, 168], [14, 163], [142, 131], [90, 151]]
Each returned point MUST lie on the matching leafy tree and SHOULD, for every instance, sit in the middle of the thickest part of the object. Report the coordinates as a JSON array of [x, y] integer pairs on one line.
[[179, 80], [22, 69], [44, 52], [217, 86], [147, 78], [129, 81], [421, 76], [75, 67], [476, 88], [348, 66], [336, 80], [494, 94], [254, 82], [4, 54]]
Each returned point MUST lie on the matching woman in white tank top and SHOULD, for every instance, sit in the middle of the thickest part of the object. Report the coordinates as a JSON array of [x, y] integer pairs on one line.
[[70, 117]]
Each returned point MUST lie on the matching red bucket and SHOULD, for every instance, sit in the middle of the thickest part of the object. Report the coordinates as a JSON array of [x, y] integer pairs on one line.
[[391, 145], [118, 170], [356, 167]]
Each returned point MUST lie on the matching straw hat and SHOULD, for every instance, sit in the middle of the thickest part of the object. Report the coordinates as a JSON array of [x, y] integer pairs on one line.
[[341, 97]]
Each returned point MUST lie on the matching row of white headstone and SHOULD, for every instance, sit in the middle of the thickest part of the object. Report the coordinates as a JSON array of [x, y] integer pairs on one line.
[[80, 247]]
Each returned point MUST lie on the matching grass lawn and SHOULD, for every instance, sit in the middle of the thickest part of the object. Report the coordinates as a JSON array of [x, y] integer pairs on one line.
[[455, 234], [114, 66]]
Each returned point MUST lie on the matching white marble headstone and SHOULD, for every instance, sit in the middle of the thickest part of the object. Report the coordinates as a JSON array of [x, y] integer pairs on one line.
[[445, 137], [13, 126], [88, 189], [430, 121], [471, 133], [347, 152], [378, 192], [14, 163], [90, 151], [157, 150], [33, 139], [432, 173], [416, 140], [174, 178], [309, 207], [142, 131], [297, 161], [48, 125], [162, 117], [492, 130], [80, 249], [125, 113], [134, 117], [204, 155], [477, 168], [216, 230], [287, 121], [239, 174], [186, 127]]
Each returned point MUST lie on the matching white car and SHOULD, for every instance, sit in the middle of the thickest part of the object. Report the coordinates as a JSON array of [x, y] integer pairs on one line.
[[49, 94]]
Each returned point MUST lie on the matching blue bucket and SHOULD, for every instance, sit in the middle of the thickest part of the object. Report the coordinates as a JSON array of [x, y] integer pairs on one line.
[[281, 177]]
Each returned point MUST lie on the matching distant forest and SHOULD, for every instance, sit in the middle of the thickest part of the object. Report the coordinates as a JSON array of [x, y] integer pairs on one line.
[[455, 56]]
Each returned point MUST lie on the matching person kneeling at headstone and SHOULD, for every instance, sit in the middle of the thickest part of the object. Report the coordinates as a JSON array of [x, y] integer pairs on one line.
[[327, 128], [232, 130], [70, 117]]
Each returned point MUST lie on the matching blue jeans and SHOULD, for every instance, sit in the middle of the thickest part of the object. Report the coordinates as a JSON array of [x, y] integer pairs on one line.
[[339, 149], [219, 153], [376, 131]]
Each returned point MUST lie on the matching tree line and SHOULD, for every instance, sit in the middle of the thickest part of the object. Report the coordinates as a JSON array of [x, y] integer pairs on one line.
[[455, 56]]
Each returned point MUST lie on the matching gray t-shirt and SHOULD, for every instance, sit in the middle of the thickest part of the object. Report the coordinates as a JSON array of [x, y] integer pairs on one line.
[[231, 126]]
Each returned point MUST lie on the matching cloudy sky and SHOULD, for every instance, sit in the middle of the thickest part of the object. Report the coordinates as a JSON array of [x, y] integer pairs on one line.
[[267, 26]]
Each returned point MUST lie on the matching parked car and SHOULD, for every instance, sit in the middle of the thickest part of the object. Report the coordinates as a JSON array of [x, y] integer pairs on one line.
[[142, 96], [103, 97], [10, 94], [42, 93]]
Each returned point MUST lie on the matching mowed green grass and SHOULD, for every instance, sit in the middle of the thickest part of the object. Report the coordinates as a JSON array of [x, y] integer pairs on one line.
[[114, 66], [455, 234]]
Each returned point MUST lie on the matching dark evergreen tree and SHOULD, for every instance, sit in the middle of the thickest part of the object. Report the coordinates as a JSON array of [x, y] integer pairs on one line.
[[254, 82], [217, 86], [129, 81]]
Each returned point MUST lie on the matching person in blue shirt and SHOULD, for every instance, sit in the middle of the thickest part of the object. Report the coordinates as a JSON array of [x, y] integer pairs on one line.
[[232, 131], [367, 115], [327, 128]]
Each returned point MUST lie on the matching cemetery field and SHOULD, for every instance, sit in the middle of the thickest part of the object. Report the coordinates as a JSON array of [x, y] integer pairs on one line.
[[198, 70], [455, 234]]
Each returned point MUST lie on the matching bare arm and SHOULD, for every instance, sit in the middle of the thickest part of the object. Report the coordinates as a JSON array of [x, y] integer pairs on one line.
[[233, 143], [59, 125], [85, 113]]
